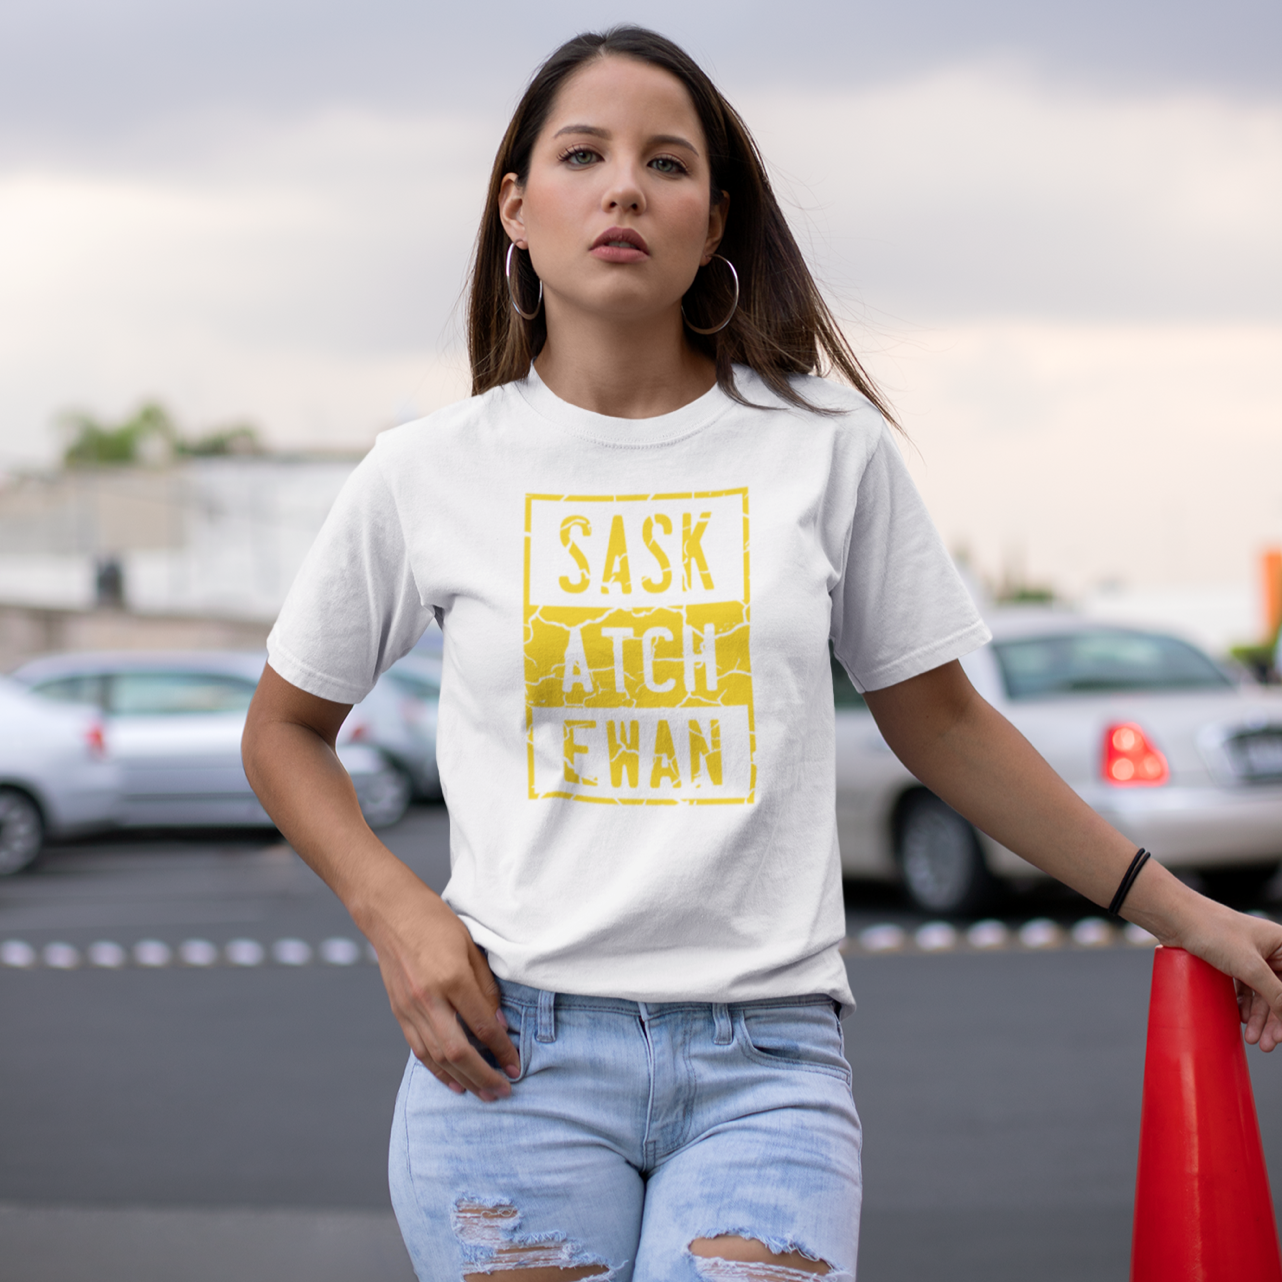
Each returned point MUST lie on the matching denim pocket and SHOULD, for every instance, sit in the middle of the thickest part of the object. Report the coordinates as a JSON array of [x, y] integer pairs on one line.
[[805, 1036]]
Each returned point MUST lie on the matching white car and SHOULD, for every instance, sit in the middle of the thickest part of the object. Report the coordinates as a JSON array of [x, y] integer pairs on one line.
[[172, 724], [1153, 734], [55, 776]]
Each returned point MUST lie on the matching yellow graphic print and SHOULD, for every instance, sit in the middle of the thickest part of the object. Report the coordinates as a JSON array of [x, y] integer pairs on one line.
[[638, 681]]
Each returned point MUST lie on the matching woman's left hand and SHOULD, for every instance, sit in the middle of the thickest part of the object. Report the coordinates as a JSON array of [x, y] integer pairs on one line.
[[1247, 948]]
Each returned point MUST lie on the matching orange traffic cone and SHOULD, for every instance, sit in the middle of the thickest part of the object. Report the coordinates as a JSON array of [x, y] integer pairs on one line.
[[1203, 1211]]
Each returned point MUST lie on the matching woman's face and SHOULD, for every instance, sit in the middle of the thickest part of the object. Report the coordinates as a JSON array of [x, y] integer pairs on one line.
[[616, 212]]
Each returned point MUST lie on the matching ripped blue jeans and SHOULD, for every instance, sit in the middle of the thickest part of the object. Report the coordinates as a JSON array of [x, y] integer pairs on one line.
[[634, 1129]]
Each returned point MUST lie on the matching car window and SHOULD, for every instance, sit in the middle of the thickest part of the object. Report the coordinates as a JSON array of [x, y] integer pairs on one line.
[[1098, 661], [80, 689], [844, 694], [152, 694]]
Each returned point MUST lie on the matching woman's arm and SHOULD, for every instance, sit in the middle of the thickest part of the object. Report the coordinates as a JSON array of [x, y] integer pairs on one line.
[[433, 972], [968, 754]]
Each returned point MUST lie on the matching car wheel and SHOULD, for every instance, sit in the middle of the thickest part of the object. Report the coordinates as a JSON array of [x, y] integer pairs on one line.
[[1238, 885], [386, 796], [939, 858], [22, 831]]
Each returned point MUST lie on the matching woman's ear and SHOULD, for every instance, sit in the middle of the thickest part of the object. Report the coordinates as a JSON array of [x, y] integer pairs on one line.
[[716, 227], [511, 206]]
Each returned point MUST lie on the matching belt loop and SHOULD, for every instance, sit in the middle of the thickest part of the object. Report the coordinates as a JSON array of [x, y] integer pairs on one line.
[[724, 1029], [546, 1031]]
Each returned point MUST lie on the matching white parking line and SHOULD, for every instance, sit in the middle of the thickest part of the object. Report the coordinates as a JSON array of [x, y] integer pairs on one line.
[[244, 952], [108, 955], [1037, 935], [198, 952], [933, 937], [291, 952], [988, 934], [152, 953], [59, 956], [340, 952], [1041, 932]]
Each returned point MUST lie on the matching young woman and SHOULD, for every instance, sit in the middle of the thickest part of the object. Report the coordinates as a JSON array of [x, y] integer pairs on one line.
[[638, 537]]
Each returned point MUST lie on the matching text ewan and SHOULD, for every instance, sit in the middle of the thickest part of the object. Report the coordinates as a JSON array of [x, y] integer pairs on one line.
[[583, 745]]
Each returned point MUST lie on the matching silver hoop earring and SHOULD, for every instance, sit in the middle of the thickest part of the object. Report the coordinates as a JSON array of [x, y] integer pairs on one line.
[[734, 306], [511, 293]]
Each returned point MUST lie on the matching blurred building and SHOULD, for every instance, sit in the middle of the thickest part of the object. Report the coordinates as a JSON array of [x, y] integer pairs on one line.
[[220, 537]]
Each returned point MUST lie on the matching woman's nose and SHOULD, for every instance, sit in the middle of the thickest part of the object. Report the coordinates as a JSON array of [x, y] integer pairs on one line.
[[624, 193]]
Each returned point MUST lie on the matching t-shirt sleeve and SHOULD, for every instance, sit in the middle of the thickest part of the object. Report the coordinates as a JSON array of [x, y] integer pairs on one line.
[[900, 608], [354, 608]]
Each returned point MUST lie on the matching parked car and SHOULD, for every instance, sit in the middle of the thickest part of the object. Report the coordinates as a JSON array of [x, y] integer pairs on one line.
[[1163, 742], [56, 778], [172, 724], [398, 717]]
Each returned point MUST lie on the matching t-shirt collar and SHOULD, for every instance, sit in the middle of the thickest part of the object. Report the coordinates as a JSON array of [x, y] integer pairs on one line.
[[624, 432]]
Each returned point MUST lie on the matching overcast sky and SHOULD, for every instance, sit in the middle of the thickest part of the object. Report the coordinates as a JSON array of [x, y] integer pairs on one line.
[[1052, 228]]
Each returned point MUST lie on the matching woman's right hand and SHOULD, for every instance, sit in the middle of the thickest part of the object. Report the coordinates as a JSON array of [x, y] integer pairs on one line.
[[436, 977]]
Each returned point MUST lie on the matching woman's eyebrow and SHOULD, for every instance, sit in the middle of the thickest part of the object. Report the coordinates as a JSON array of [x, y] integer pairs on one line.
[[674, 140], [590, 130], [594, 131]]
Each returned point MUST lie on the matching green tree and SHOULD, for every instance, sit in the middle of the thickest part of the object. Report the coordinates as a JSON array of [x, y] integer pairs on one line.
[[150, 435]]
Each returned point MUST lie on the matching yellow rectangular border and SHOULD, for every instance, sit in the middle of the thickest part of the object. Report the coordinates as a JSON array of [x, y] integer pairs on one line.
[[530, 500]]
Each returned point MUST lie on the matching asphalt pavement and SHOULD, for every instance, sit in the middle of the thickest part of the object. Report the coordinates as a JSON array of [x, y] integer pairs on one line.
[[212, 1099]]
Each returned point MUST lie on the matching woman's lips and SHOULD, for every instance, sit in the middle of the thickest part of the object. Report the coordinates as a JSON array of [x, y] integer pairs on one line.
[[618, 253], [620, 245]]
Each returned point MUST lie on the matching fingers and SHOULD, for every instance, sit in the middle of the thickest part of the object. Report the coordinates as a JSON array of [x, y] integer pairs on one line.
[[1256, 984], [486, 1019], [440, 989], [444, 1036], [439, 1073]]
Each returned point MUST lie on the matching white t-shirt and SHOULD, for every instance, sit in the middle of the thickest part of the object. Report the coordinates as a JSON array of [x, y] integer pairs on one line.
[[636, 717]]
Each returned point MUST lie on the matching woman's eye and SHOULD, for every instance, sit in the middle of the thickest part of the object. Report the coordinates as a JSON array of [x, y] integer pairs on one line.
[[668, 165], [579, 156]]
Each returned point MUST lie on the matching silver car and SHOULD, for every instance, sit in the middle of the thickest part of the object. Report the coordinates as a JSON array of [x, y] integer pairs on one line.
[[398, 717], [1164, 743], [172, 724], [56, 778]]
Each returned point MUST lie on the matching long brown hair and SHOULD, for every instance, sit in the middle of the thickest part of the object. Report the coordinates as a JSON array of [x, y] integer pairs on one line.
[[782, 325]]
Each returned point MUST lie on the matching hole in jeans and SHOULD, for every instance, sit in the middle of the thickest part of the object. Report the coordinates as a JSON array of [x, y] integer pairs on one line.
[[729, 1257], [488, 1233]]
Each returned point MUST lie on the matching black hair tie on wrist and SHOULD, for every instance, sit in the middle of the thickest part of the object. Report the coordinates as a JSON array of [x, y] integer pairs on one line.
[[1142, 857]]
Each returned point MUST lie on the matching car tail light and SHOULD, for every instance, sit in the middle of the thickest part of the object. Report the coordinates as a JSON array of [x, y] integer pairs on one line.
[[95, 740], [1129, 757]]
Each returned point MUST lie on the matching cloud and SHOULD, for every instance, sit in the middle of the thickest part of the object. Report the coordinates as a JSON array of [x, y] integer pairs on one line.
[[80, 73], [304, 277], [980, 191], [1082, 453], [1073, 296]]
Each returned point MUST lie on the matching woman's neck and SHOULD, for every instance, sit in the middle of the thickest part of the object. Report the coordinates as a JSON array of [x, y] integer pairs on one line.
[[625, 372]]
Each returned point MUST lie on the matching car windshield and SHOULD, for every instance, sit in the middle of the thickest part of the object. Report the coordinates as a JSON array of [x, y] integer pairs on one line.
[[1099, 661], [158, 694]]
